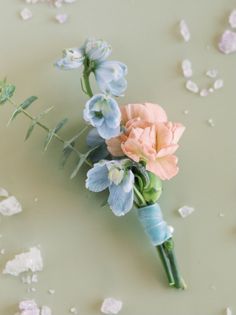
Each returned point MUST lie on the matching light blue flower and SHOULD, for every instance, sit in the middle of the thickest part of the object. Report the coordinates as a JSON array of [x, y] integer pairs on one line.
[[97, 49], [103, 112], [115, 176], [73, 58], [110, 76]]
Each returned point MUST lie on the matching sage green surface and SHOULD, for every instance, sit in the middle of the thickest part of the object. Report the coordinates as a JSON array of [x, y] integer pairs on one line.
[[89, 253]]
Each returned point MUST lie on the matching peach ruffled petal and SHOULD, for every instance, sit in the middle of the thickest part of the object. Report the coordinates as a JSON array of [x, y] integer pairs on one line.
[[165, 167]]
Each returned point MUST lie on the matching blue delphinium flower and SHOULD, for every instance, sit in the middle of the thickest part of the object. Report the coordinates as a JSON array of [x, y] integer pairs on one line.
[[73, 58], [110, 77], [97, 49], [115, 176], [103, 112]]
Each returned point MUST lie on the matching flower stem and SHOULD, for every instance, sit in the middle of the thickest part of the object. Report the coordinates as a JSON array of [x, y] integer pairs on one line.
[[166, 265], [47, 129], [87, 86], [168, 246]]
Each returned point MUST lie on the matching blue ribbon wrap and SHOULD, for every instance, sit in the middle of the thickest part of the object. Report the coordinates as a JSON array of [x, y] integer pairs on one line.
[[155, 227]]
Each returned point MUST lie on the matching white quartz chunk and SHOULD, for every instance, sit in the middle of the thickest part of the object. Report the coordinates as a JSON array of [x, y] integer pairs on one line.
[[26, 14], [184, 30], [232, 19], [185, 211], [218, 84], [10, 206], [111, 306], [187, 68], [229, 311], [192, 86], [31, 260], [227, 43]]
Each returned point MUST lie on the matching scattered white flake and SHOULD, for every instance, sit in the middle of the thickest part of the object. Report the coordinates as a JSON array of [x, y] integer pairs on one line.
[[2, 251], [171, 229], [212, 73], [186, 111], [34, 278], [29, 307], [185, 211], [33, 289], [26, 14], [31, 260], [111, 306], [10, 206], [73, 310], [227, 42], [221, 215], [26, 279], [232, 19], [211, 90], [187, 68], [229, 311], [184, 30], [45, 310], [218, 84], [3, 192], [51, 291], [204, 92], [192, 86], [210, 122], [61, 18]]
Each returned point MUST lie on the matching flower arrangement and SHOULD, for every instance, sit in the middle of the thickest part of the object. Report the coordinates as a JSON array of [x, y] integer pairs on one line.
[[131, 148]]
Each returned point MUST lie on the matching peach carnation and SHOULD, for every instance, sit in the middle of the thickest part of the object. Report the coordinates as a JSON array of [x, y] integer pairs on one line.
[[149, 137]]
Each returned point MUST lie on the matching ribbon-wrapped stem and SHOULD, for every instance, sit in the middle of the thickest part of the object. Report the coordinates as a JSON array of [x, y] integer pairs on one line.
[[160, 235]]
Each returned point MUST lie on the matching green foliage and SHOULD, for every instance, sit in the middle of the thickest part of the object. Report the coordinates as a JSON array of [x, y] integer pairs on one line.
[[67, 150], [22, 107], [81, 161], [53, 132], [6, 91], [36, 121]]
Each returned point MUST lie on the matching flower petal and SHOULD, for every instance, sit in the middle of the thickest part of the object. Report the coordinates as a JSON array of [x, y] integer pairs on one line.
[[97, 177], [121, 202], [165, 167]]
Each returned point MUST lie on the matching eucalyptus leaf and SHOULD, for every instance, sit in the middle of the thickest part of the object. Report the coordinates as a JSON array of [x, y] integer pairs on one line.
[[52, 132], [6, 91], [66, 154], [36, 121], [23, 106]]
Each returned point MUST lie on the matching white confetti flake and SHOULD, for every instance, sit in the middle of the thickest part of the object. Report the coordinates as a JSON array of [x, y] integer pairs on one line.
[[31, 260], [212, 73], [232, 19], [3, 192], [61, 18], [45, 310], [111, 306], [192, 86], [184, 30], [51, 291], [210, 122], [211, 90], [10, 206], [204, 92], [73, 310], [221, 215], [2, 251], [26, 14], [227, 43], [185, 211], [218, 84], [229, 311], [186, 111], [187, 68]]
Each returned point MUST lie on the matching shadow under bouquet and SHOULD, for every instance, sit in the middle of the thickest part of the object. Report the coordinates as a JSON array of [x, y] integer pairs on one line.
[[131, 147]]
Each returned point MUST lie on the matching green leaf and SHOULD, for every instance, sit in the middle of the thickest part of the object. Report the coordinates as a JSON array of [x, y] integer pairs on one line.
[[82, 160], [22, 106], [54, 131], [6, 91], [73, 139], [66, 154], [35, 122]]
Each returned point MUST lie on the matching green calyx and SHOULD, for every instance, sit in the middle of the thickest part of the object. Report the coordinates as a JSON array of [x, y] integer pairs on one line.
[[153, 190]]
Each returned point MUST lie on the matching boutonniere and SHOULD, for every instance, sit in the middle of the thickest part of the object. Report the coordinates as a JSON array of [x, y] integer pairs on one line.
[[131, 148]]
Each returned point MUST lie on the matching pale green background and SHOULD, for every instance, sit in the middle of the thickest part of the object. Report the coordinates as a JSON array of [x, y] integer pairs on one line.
[[90, 254]]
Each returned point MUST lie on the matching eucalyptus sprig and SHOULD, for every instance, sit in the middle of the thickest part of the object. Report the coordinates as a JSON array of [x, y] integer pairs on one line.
[[7, 91]]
